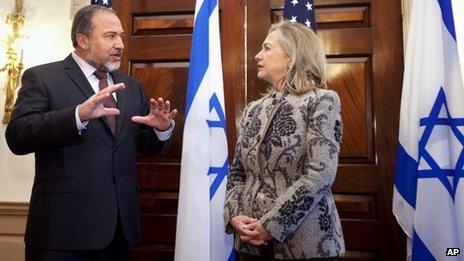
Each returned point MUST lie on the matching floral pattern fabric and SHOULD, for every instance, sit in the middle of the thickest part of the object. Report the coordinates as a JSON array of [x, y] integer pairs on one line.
[[285, 162]]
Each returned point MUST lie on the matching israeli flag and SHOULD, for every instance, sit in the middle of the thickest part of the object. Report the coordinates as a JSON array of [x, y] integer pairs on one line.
[[428, 199], [200, 224]]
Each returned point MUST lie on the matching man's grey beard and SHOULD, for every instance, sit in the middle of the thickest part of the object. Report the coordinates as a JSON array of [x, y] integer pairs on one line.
[[105, 66], [112, 66]]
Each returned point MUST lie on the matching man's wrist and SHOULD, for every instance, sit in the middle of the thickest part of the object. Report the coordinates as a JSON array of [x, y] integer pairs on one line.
[[79, 112], [169, 128], [165, 135], [79, 123]]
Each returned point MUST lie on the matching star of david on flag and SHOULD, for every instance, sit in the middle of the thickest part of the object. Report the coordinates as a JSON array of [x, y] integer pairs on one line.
[[428, 198], [300, 11], [200, 231], [106, 3]]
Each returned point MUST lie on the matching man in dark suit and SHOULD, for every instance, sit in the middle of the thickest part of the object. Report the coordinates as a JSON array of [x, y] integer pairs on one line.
[[81, 118]]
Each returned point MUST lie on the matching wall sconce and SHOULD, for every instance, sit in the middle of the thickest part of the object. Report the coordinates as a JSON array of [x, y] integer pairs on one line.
[[13, 66]]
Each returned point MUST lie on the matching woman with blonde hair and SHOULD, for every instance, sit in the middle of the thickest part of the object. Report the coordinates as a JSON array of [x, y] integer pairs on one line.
[[278, 201]]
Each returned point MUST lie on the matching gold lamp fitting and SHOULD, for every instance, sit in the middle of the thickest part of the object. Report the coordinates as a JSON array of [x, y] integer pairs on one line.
[[13, 66]]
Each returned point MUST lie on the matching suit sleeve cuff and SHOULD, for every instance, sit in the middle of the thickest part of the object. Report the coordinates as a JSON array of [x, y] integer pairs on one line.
[[80, 125]]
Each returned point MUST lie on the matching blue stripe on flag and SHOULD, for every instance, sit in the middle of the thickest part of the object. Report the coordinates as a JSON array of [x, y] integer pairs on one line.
[[221, 174], [216, 105], [441, 121], [232, 255], [434, 173], [447, 15], [420, 251], [406, 176], [199, 56]]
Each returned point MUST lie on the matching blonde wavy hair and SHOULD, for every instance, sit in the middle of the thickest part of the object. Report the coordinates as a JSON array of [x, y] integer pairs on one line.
[[307, 68]]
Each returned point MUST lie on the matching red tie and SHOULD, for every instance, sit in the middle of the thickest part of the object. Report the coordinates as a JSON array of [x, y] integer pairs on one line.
[[109, 102]]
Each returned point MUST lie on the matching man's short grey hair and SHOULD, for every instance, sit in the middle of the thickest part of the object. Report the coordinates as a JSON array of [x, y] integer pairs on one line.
[[82, 23]]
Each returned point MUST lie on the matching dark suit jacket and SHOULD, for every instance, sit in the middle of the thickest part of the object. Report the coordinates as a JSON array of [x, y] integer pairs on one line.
[[82, 181]]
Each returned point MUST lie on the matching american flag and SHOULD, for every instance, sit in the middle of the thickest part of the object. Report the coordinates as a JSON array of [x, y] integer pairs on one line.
[[300, 11], [106, 3]]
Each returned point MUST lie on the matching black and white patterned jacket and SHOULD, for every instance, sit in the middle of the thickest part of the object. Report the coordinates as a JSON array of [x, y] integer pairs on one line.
[[285, 162]]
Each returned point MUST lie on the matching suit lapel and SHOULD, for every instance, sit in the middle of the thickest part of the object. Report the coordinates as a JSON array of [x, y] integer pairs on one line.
[[75, 73], [122, 103], [77, 76]]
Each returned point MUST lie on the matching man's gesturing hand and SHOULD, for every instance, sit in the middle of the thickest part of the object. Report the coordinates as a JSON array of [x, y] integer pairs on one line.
[[159, 117], [93, 108]]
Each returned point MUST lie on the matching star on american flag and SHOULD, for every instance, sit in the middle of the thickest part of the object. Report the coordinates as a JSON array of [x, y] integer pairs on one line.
[[308, 23], [106, 3], [309, 6], [300, 11]]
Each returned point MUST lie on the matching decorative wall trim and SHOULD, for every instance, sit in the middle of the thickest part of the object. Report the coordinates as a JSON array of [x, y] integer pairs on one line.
[[14, 208], [12, 226]]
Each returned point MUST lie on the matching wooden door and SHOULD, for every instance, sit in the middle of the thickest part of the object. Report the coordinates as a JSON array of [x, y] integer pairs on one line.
[[363, 42]]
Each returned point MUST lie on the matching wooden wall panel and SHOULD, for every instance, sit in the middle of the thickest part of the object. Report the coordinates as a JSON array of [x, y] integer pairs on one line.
[[339, 17], [160, 7], [352, 15], [360, 255], [351, 79], [164, 225], [151, 252], [160, 48], [257, 26], [355, 206], [351, 41], [167, 80], [361, 234], [356, 178], [161, 202], [162, 24], [387, 76], [158, 177]]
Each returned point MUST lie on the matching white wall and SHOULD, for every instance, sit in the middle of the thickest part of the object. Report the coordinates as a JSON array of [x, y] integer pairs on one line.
[[47, 29]]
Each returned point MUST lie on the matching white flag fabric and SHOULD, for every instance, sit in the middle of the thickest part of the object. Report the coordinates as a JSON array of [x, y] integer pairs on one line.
[[428, 199], [200, 231]]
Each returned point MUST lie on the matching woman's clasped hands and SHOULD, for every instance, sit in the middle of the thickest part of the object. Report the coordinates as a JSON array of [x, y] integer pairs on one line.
[[250, 230]]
